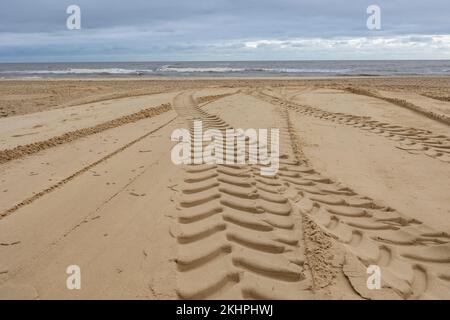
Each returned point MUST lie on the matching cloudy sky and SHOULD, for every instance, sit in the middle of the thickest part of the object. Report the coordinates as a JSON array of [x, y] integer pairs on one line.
[[168, 30]]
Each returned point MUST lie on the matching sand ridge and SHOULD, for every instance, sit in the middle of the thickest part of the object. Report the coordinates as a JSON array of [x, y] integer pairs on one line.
[[21, 151], [410, 139], [403, 103]]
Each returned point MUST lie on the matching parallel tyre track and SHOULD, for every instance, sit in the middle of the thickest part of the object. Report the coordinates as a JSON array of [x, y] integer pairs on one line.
[[414, 258], [237, 234], [412, 140], [62, 182]]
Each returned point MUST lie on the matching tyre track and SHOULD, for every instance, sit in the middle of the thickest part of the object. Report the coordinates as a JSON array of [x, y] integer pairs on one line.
[[412, 140], [64, 181], [237, 235], [402, 103], [414, 258], [32, 148]]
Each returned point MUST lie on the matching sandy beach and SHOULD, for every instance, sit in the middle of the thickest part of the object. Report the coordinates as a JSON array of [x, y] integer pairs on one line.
[[86, 179]]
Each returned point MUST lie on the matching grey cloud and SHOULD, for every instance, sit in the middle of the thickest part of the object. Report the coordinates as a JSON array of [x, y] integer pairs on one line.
[[205, 28], [230, 17]]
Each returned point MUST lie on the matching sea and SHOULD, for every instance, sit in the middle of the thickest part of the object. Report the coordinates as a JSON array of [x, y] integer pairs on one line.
[[227, 69]]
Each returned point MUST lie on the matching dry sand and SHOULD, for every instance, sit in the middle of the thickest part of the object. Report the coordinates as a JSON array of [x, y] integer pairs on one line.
[[86, 179]]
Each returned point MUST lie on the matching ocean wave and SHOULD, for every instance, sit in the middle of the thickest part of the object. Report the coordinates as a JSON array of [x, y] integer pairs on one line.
[[200, 69], [176, 69], [77, 71], [217, 69], [307, 70]]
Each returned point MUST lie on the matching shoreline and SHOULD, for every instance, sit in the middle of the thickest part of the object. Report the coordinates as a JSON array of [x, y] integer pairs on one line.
[[187, 78]]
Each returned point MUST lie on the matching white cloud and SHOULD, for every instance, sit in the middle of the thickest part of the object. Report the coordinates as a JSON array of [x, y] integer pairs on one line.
[[369, 43], [122, 43]]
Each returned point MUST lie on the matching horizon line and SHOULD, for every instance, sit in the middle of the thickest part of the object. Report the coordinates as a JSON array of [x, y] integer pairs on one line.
[[255, 60]]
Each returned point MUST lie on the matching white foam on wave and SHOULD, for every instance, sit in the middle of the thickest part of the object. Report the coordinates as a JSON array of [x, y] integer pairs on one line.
[[200, 69], [153, 69], [250, 69], [78, 71]]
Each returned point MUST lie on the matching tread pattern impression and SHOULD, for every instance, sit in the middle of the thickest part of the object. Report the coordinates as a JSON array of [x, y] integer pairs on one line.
[[414, 258], [237, 235]]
